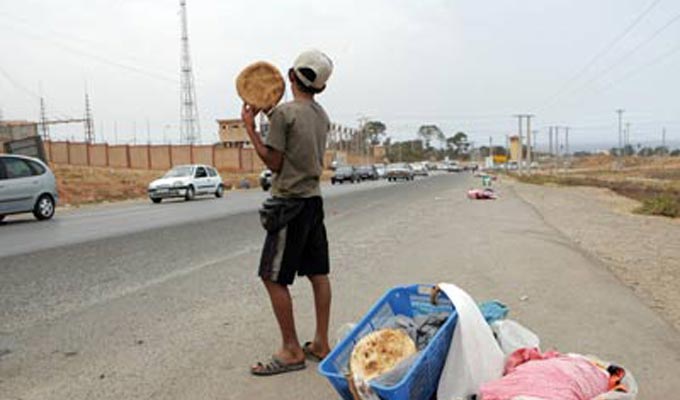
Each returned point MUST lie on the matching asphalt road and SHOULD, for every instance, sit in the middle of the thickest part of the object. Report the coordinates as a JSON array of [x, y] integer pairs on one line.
[[162, 302]]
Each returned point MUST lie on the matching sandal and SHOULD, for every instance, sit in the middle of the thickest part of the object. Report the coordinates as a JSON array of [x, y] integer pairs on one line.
[[310, 354], [276, 366]]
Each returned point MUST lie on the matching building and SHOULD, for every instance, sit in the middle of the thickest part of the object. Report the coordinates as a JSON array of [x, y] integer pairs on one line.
[[514, 148], [15, 130], [232, 133]]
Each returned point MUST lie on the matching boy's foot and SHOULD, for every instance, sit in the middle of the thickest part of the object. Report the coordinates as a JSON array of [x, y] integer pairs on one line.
[[312, 354], [276, 366]]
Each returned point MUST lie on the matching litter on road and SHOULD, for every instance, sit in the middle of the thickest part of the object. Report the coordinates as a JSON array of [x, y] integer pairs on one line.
[[421, 342]]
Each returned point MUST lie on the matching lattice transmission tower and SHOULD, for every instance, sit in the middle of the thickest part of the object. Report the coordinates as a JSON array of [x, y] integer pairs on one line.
[[89, 123], [190, 131]]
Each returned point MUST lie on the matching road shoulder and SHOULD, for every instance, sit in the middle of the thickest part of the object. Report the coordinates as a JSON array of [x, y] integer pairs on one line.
[[637, 249]]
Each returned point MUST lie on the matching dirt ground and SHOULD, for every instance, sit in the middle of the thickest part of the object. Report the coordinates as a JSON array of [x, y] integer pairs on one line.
[[88, 185], [642, 251]]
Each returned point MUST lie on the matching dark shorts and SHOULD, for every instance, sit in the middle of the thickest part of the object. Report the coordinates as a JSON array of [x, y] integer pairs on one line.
[[300, 248]]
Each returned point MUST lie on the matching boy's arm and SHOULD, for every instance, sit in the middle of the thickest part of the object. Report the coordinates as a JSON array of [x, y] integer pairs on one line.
[[272, 158]]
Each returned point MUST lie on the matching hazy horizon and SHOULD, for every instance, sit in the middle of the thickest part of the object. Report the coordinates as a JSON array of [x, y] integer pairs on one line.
[[462, 65]]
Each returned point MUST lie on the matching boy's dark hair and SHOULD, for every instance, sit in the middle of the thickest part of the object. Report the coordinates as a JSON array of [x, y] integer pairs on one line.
[[307, 73]]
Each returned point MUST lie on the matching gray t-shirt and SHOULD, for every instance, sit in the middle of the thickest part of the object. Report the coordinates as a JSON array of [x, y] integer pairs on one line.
[[298, 129]]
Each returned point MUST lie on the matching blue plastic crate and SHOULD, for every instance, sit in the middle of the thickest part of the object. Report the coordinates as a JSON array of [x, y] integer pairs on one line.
[[422, 379]]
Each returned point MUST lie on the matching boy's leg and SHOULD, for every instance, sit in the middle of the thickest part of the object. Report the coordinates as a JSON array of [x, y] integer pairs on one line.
[[322, 303], [282, 304]]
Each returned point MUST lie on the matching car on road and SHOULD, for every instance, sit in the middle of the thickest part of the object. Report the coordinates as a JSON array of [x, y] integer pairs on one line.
[[187, 181], [397, 171], [26, 185], [266, 179], [453, 166], [367, 172], [380, 168], [419, 169], [345, 173]]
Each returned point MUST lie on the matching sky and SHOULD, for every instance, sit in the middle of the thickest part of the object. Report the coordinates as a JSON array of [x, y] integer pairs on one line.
[[463, 65]]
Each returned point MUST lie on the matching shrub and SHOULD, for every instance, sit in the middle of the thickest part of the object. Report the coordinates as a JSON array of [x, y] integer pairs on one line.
[[664, 204]]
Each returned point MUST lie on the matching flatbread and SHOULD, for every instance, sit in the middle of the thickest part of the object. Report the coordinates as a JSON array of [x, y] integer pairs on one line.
[[260, 85], [379, 352]]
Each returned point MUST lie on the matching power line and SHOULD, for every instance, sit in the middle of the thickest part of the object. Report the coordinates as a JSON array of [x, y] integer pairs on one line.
[[601, 54]]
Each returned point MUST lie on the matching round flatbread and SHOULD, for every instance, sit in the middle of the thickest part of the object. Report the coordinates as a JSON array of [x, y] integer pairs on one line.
[[260, 85], [379, 352]]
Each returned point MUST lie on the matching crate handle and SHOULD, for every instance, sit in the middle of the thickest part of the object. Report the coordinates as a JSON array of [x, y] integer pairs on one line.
[[434, 293]]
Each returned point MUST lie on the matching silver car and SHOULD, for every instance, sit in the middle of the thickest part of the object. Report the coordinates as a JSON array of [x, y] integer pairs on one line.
[[187, 181], [26, 185]]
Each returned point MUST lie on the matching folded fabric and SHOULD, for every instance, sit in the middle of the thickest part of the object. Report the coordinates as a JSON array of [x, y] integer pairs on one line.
[[547, 377]]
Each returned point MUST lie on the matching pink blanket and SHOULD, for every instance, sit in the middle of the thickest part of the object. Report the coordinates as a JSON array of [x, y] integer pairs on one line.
[[549, 377]]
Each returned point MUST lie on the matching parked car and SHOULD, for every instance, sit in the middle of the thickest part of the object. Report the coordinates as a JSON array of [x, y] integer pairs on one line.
[[399, 171], [26, 185], [344, 173], [380, 168], [266, 179], [187, 181], [367, 172], [419, 169]]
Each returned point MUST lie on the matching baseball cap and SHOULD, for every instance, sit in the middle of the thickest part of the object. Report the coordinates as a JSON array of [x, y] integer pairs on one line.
[[313, 68]]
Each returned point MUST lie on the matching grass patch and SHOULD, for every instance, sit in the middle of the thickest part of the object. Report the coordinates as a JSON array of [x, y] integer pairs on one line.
[[665, 205], [656, 199]]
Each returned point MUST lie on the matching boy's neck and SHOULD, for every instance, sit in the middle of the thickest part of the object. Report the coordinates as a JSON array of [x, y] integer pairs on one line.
[[302, 96]]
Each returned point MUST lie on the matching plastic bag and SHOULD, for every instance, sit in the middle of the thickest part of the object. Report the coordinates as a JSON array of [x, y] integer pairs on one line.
[[474, 356], [511, 336]]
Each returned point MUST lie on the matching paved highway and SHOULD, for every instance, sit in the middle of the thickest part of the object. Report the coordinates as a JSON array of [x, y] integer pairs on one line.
[[139, 301]]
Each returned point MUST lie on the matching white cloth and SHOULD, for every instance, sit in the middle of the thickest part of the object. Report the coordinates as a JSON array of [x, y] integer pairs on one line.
[[474, 356]]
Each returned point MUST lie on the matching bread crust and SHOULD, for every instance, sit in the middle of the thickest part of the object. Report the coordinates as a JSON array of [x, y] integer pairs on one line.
[[379, 352], [260, 85]]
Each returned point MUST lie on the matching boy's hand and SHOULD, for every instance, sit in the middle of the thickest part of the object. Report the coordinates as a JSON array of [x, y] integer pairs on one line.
[[248, 114]]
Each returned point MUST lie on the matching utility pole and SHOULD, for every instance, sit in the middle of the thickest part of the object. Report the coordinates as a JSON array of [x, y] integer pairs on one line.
[[620, 112], [148, 132], [566, 140], [89, 123], [520, 156], [491, 149], [627, 134], [44, 128], [529, 141], [550, 140], [663, 135], [190, 130]]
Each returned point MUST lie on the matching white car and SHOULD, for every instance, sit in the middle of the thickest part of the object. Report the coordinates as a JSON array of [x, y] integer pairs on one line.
[[187, 181]]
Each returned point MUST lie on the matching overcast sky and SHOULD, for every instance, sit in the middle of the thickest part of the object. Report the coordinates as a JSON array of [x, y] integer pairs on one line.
[[461, 64]]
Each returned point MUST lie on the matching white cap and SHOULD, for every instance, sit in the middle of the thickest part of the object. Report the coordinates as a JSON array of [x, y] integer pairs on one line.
[[313, 68]]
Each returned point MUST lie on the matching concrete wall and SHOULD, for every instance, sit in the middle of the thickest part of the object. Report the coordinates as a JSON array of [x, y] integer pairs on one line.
[[202, 154], [139, 157], [59, 152], [78, 154], [118, 156], [163, 157], [99, 155], [160, 157], [181, 155], [227, 159]]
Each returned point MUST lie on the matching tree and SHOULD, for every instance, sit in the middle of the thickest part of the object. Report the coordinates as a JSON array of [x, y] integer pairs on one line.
[[427, 133], [374, 131], [458, 143], [661, 151], [646, 152], [675, 153]]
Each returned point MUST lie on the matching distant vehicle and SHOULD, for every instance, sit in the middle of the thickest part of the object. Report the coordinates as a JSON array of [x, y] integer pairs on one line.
[[380, 168], [453, 166], [187, 181], [367, 172], [399, 171], [26, 185], [266, 179], [344, 173], [419, 169]]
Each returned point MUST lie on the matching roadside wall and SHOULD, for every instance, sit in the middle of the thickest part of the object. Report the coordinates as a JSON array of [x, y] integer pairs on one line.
[[162, 157]]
